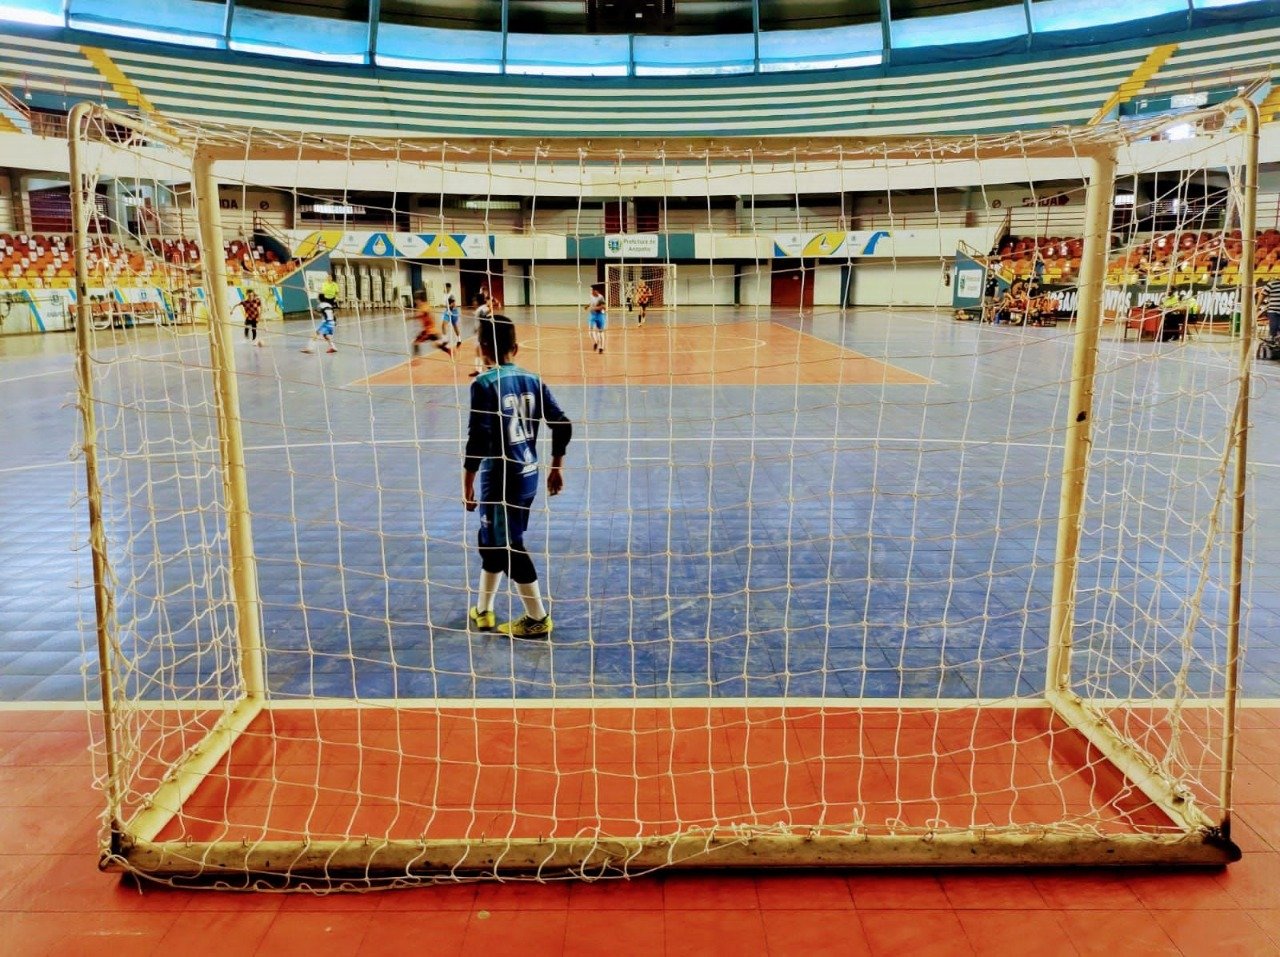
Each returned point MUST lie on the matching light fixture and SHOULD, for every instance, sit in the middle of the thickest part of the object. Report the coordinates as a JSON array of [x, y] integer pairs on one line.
[[491, 204], [334, 209]]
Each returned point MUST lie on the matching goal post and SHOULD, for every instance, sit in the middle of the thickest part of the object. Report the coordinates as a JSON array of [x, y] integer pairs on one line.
[[867, 587], [622, 283]]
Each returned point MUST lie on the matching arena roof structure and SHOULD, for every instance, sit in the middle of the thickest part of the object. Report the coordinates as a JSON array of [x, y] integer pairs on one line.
[[826, 68]]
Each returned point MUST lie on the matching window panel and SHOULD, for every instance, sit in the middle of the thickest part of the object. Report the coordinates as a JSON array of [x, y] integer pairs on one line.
[[972, 26], [816, 49], [193, 22], [675, 55], [471, 15], [430, 48], [533, 53], [286, 34], [817, 14], [1051, 15]]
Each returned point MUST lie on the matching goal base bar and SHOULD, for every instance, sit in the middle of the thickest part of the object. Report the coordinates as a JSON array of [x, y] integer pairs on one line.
[[389, 860]]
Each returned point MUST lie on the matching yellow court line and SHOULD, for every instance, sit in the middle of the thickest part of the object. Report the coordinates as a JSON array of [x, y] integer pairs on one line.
[[1131, 87]]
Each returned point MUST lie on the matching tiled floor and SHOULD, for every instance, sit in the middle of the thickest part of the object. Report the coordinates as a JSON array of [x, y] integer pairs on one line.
[[54, 901]]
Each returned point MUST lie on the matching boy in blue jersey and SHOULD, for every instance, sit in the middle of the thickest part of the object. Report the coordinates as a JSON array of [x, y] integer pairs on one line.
[[452, 314], [596, 317], [324, 328], [507, 404]]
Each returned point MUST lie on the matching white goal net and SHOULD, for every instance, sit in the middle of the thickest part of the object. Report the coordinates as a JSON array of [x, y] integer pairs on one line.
[[911, 535], [648, 285]]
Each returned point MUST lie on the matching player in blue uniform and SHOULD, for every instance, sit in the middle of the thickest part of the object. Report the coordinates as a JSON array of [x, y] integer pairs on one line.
[[596, 317], [507, 405], [324, 328], [452, 314]]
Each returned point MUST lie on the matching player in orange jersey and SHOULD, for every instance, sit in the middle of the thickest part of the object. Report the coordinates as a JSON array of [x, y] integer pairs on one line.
[[430, 329]]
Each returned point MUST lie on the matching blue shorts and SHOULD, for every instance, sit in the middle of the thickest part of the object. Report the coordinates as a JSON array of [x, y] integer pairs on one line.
[[505, 497], [325, 328], [452, 315], [596, 319]]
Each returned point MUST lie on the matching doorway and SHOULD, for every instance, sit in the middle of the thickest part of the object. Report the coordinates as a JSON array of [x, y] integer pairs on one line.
[[791, 283], [474, 274]]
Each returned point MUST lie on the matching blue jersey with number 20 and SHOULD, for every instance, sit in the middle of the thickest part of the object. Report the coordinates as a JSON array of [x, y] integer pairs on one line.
[[507, 405]]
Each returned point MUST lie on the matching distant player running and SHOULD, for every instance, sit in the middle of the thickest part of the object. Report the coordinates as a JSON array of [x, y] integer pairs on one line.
[[596, 318], [429, 331], [507, 405], [251, 305], [644, 296], [325, 328], [452, 314]]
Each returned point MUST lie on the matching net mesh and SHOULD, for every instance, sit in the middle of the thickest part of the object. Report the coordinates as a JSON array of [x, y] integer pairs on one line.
[[801, 572]]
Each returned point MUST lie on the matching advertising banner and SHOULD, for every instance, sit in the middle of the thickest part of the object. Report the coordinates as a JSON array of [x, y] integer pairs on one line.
[[631, 245], [387, 245], [820, 245], [1215, 303], [940, 242], [970, 283]]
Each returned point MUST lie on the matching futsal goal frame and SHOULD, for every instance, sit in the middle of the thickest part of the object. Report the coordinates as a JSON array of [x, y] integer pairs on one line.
[[133, 844], [621, 279]]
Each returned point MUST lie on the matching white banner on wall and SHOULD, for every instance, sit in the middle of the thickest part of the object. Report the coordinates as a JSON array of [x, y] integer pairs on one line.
[[879, 243], [631, 245], [842, 244], [387, 245]]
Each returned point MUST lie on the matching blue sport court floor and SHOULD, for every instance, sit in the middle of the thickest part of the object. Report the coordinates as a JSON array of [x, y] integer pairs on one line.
[[858, 505]]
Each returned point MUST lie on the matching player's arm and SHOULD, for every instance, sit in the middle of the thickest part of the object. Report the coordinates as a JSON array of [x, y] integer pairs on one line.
[[480, 425], [561, 433]]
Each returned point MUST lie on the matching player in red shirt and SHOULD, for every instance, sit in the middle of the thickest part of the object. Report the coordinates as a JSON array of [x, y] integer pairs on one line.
[[252, 307]]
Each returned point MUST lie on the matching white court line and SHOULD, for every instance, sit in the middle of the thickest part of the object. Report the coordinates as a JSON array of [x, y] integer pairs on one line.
[[908, 441], [672, 612], [619, 704], [40, 375]]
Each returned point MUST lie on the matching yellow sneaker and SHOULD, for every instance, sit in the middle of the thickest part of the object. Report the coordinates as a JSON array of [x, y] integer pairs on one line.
[[527, 626], [482, 620]]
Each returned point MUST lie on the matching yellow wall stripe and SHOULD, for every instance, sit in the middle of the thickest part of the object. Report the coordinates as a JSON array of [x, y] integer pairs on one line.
[[119, 82], [7, 125], [1131, 87]]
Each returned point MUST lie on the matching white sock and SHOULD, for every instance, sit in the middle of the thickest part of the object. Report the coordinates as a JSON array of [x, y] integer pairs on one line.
[[531, 595], [488, 588]]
